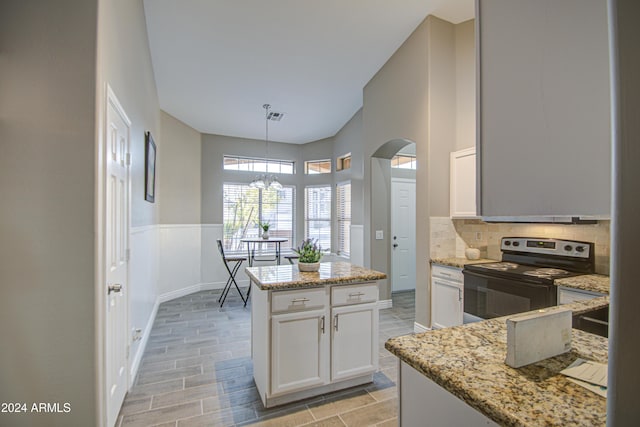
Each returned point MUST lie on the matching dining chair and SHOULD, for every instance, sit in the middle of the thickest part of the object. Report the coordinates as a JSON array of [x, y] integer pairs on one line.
[[233, 270]]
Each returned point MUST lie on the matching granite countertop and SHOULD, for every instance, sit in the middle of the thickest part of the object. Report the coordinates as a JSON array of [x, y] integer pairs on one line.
[[459, 262], [468, 361], [279, 277], [587, 282]]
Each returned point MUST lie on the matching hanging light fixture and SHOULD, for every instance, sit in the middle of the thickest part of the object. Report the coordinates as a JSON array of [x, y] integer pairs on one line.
[[265, 180]]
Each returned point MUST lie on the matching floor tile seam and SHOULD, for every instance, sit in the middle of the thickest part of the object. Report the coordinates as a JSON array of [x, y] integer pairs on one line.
[[184, 401], [388, 419], [156, 382], [375, 402]]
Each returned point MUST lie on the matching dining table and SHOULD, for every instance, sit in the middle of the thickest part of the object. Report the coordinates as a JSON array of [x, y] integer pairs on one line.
[[252, 242]]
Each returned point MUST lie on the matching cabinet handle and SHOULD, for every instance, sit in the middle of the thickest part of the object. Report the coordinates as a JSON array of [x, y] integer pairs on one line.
[[356, 294], [322, 324], [335, 322], [303, 300]]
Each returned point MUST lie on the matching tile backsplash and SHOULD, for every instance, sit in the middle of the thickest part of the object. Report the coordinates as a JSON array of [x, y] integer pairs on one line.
[[450, 237]]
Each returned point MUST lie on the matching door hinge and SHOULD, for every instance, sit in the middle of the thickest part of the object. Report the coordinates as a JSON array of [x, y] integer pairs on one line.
[[128, 350], [128, 159], [127, 255]]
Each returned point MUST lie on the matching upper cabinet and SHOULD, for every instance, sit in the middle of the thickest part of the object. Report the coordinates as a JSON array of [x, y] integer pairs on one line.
[[463, 184], [544, 137]]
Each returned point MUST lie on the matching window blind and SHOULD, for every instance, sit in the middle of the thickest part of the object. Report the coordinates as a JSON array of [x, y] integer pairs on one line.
[[244, 207], [343, 214], [317, 216]]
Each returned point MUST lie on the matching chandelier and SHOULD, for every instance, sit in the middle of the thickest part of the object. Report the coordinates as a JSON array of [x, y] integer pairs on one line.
[[264, 180]]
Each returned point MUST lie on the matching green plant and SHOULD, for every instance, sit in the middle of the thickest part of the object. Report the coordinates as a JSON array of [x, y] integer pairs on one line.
[[264, 226], [309, 251]]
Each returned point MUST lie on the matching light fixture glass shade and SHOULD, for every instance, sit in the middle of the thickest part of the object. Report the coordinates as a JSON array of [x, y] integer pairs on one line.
[[275, 184]]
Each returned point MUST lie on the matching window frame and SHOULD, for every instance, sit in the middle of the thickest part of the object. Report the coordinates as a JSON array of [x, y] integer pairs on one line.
[[329, 220], [251, 162], [340, 161], [412, 161], [239, 247], [307, 163], [343, 220]]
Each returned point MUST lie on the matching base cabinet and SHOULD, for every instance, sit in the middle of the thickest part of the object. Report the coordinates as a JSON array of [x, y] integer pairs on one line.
[[447, 303], [307, 364], [354, 343], [422, 399], [313, 341]]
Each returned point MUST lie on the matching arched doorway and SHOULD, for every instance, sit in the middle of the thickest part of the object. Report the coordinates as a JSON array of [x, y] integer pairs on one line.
[[393, 211]]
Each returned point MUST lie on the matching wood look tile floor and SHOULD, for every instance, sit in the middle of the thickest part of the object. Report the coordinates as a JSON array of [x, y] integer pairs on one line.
[[197, 371]]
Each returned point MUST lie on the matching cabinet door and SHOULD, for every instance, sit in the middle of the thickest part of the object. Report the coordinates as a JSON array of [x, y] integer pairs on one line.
[[446, 303], [543, 108], [463, 184], [354, 346], [299, 350]]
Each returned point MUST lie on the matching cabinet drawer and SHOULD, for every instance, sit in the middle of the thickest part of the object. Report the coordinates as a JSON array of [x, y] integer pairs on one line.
[[304, 299], [358, 294], [449, 273]]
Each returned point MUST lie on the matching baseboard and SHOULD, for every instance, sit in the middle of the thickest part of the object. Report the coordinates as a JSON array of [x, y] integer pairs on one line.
[[143, 343], [168, 296], [385, 303], [418, 328]]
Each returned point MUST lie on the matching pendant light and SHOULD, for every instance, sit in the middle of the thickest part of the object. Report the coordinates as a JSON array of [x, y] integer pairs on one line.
[[264, 180]]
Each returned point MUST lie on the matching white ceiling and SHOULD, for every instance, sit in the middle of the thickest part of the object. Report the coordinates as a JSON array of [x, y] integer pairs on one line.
[[216, 62]]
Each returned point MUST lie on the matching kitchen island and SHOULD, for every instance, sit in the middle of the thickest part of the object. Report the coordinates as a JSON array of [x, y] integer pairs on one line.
[[464, 372], [312, 333]]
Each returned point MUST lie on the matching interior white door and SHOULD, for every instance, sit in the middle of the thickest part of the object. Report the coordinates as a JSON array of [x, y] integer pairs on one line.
[[116, 255], [403, 234]]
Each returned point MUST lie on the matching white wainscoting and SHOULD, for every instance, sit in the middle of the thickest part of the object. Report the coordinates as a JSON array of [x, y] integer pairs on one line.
[[143, 289], [180, 257], [357, 244]]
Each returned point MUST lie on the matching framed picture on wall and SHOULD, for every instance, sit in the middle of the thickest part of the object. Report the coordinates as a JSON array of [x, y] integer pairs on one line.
[[150, 168]]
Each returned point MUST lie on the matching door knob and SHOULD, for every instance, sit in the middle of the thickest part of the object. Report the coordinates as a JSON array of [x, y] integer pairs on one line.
[[116, 287]]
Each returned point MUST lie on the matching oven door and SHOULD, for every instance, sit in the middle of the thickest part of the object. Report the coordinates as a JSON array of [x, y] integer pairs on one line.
[[487, 296]]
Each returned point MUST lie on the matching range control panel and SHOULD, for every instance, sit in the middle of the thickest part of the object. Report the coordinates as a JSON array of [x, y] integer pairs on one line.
[[555, 247]]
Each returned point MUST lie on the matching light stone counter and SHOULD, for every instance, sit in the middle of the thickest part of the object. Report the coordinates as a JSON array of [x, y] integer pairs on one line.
[[459, 262], [468, 361], [280, 277], [587, 282]]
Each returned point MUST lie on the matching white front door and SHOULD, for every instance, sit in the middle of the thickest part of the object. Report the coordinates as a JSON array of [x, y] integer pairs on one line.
[[116, 255], [403, 234]]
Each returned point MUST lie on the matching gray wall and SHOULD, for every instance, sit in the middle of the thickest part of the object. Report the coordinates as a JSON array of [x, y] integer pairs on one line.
[[47, 134], [178, 168], [395, 107], [624, 341]]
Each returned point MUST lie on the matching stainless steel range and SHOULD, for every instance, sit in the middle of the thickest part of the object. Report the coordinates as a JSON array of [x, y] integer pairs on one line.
[[523, 280]]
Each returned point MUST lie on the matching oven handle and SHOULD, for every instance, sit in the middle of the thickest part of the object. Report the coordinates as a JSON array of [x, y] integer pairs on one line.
[[522, 280]]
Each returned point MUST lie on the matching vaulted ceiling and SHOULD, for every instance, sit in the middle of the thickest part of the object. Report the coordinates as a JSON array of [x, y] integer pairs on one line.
[[216, 62]]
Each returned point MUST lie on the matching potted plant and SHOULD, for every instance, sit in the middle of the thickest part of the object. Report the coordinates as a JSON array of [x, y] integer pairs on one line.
[[264, 226], [309, 253]]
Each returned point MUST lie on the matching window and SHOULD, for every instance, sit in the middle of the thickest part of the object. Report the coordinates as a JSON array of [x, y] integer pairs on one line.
[[249, 164], [403, 161], [343, 214], [317, 215], [244, 206], [343, 162], [313, 167]]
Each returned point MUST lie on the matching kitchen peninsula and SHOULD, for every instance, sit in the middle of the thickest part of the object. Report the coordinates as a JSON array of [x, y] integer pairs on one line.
[[461, 375], [312, 333]]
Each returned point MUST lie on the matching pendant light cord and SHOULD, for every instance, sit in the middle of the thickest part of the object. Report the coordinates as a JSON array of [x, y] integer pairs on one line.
[[266, 125]]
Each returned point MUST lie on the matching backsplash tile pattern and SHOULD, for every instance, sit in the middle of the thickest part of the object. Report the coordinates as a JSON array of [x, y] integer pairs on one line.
[[451, 237]]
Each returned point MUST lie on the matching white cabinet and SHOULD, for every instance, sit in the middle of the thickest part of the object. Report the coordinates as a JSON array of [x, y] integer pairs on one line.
[[312, 341], [462, 198], [354, 345], [544, 139], [298, 351], [447, 304], [422, 399]]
